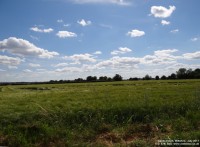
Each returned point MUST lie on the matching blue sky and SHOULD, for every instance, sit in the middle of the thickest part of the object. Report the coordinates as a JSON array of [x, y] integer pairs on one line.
[[43, 40]]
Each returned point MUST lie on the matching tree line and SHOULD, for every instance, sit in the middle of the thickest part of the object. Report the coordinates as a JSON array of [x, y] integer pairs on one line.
[[182, 73]]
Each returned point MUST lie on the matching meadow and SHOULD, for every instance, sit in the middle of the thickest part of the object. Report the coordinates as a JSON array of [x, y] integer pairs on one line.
[[125, 113]]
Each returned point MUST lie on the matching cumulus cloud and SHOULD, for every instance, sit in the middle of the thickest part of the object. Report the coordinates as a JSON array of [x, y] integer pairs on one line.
[[23, 48], [34, 65], [10, 61], [162, 12], [36, 29], [78, 58], [116, 62], [66, 34], [121, 50], [136, 33], [84, 22], [164, 22], [195, 55], [117, 2], [161, 57]]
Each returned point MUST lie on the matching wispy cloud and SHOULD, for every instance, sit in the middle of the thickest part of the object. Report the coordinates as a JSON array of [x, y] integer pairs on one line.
[[36, 29], [117, 2], [60, 21], [97, 53], [195, 39], [34, 65], [174, 31]]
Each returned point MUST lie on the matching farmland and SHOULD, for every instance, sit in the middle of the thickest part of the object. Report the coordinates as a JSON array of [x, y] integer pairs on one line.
[[125, 113]]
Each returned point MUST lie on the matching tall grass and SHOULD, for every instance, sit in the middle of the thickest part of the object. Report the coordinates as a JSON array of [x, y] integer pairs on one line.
[[115, 113]]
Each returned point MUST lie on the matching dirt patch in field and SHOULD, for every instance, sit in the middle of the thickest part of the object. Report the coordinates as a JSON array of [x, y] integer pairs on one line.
[[35, 88]]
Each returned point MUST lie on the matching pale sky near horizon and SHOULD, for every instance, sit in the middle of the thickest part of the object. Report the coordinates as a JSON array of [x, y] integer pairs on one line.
[[42, 40]]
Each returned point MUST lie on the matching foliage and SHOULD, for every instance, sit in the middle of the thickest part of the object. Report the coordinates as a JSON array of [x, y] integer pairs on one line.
[[117, 77]]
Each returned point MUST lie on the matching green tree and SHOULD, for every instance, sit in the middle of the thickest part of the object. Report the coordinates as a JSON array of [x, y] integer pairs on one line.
[[147, 77], [181, 73], [117, 77], [157, 77]]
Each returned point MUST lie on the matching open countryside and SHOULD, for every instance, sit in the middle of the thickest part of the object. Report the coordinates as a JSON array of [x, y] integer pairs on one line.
[[99, 73], [124, 113]]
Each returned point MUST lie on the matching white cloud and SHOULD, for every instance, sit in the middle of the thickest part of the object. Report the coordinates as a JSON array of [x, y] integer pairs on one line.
[[12, 67], [34, 65], [162, 12], [10, 61], [119, 62], [66, 25], [41, 70], [36, 29], [106, 26], [164, 22], [69, 69], [174, 31], [84, 23], [136, 33], [78, 58], [118, 2], [34, 37], [195, 39], [195, 55], [165, 52], [23, 48], [60, 21], [97, 53], [66, 34], [2, 70], [161, 57], [121, 50], [27, 70], [61, 65]]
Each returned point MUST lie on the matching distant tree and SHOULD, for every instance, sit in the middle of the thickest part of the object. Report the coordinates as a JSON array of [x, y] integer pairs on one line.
[[109, 79], [117, 77], [147, 77], [197, 73], [133, 79], [78, 80], [181, 73], [103, 78], [91, 79], [190, 74], [163, 77], [157, 77], [172, 76]]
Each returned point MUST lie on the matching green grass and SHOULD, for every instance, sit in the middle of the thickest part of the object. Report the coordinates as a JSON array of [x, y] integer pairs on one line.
[[127, 113]]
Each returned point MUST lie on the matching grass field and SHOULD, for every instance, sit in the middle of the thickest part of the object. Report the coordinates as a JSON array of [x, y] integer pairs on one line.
[[127, 113]]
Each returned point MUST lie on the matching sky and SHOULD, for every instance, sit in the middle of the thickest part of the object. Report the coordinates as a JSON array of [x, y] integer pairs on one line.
[[42, 40]]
